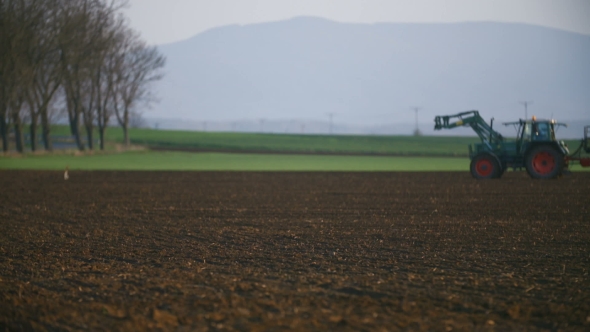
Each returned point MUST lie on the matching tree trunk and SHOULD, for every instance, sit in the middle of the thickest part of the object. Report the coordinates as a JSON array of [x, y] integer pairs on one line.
[[4, 130], [18, 133], [75, 130], [78, 139], [46, 130], [89, 136], [74, 119], [126, 128], [101, 130], [87, 118], [126, 135], [33, 131], [47, 95]]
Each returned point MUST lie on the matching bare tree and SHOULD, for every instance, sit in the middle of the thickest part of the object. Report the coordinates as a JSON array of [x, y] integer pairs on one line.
[[104, 83], [44, 60], [114, 36], [80, 52], [28, 76], [138, 66], [76, 44], [19, 24], [108, 78], [6, 71], [106, 29]]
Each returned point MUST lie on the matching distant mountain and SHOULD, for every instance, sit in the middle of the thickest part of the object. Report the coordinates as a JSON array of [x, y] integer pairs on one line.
[[371, 74]]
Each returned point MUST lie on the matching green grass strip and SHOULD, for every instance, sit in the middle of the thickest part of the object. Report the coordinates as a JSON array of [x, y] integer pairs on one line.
[[177, 161], [256, 142]]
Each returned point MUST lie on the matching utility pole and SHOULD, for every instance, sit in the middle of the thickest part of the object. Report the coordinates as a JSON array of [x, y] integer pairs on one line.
[[417, 130], [261, 125], [526, 104], [330, 115]]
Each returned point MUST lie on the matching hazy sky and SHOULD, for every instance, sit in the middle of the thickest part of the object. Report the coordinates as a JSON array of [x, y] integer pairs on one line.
[[164, 21]]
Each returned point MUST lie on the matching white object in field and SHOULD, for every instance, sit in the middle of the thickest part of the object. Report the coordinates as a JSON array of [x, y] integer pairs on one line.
[[66, 176]]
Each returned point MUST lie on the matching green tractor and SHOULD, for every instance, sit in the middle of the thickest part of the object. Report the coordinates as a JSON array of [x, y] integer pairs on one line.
[[535, 147]]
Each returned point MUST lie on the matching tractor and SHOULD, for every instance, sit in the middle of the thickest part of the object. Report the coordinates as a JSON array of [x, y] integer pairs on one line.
[[534, 149]]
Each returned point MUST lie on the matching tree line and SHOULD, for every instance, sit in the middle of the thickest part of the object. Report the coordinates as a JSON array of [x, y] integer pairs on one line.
[[76, 58]]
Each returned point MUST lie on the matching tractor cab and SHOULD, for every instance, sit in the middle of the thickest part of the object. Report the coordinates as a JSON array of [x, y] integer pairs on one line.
[[538, 131], [533, 132]]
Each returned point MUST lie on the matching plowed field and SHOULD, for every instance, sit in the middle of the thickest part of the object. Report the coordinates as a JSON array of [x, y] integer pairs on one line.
[[303, 251]]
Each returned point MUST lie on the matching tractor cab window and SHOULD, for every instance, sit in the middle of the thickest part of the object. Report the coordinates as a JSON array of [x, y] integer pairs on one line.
[[526, 132], [540, 131]]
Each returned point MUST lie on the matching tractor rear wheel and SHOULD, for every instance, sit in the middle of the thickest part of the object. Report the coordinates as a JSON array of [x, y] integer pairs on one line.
[[544, 162], [485, 166]]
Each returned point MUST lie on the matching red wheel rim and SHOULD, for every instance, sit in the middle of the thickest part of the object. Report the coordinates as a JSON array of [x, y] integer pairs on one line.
[[484, 167], [543, 163]]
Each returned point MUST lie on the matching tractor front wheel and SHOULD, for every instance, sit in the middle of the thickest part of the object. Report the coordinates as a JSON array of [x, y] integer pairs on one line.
[[544, 162], [485, 166]]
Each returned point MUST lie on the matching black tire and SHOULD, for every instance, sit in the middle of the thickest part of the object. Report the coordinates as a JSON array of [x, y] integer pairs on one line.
[[485, 166], [544, 162]]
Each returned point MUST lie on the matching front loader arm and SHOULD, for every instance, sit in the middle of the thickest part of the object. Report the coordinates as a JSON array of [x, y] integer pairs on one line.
[[470, 118], [464, 118]]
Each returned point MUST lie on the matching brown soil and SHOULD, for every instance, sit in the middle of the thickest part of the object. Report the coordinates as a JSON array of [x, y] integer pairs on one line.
[[303, 251]]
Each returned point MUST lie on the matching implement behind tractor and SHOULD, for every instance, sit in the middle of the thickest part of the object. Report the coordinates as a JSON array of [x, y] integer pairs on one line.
[[535, 147]]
